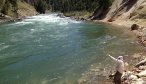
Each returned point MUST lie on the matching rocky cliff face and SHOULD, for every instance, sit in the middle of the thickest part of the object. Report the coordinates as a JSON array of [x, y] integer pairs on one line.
[[133, 11], [124, 9]]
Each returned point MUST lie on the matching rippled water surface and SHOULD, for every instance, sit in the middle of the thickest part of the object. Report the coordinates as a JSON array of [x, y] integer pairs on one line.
[[47, 49]]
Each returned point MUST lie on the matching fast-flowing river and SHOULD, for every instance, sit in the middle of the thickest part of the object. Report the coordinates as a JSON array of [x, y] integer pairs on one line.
[[47, 49]]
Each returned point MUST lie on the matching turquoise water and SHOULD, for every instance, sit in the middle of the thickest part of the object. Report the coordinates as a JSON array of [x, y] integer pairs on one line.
[[47, 49]]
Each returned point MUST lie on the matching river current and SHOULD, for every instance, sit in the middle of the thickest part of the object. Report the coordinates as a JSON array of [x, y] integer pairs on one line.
[[48, 49]]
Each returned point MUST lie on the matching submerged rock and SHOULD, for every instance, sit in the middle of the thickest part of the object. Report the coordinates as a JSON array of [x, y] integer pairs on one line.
[[61, 15]]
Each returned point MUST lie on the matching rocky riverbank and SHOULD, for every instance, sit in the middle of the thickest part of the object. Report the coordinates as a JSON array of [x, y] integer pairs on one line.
[[6, 19], [135, 64], [133, 74]]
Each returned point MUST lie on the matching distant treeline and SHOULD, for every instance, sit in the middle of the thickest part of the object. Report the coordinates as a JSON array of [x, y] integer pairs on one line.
[[77, 5], [40, 5], [57, 5], [69, 5], [73, 5]]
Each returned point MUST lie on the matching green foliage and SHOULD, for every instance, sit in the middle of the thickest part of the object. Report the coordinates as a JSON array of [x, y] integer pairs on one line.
[[40, 6], [2, 4], [13, 2], [72, 5], [77, 5], [5, 5], [105, 3], [57, 5]]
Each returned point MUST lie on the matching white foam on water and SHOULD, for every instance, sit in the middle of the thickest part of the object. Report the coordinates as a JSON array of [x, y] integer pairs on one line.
[[57, 37], [22, 23], [2, 43], [4, 47], [32, 29], [63, 23], [48, 18]]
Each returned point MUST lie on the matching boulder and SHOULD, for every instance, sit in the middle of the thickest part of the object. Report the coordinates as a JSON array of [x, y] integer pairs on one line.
[[141, 63], [142, 73], [139, 81]]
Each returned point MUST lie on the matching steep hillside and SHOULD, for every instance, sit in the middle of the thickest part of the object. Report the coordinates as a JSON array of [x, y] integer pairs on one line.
[[17, 10], [127, 12], [25, 9]]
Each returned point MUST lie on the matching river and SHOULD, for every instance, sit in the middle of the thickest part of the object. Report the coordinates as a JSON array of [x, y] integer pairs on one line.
[[47, 49]]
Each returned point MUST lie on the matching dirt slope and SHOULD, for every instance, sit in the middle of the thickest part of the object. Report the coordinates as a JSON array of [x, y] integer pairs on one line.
[[127, 12], [25, 9]]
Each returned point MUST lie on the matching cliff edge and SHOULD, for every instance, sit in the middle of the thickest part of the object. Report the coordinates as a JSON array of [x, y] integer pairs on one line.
[[126, 12]]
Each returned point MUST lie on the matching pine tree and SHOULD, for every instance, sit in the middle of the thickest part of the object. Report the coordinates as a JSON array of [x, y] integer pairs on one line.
[[1, 4], [15, 7], [40, 6], [5, 7]]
